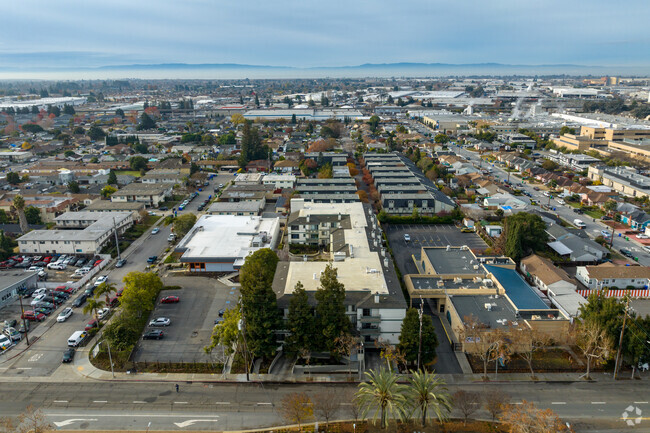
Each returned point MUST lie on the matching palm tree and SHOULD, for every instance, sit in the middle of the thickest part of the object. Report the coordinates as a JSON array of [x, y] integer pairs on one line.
[[383, 394], [92, 306], [105, 289], [428, 394], [19, 205]]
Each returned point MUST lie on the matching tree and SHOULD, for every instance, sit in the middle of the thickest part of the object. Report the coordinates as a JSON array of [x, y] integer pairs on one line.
[[227, 334], [467, 402], [297, 408], [300, 323], [428, 394], [33, 421], [374, 122], [119, 112], [122, 334], [140, 292], [96, 133], [567, 130], [325, 172], [4, 218], [524, 233], [441, 138], [92, 306], [594, 343], [107, 191], [138, 163], [606, 312], [33, 215], [526, 341], [495, 402], [549, 165], [326, 405], [526, 418], [208, 140], [112, 178], [32, 128], [146, 122], [19, 204], [237, 119], [140, 148], [488, 345], [409, 338], [259, 302], [183, 224], [293, 119], [194, 167], [13, 178], [73, 187], [330, 309], [105, 289], [382, 395]]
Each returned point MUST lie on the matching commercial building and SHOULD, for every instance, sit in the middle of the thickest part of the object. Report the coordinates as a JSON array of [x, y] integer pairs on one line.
[[279, 181], [77, 233], [220, 243], [335, 190], [152, 195], [350, 236], [135, 208], [240, 208], [319, 115], [11, 281], [624, 180]]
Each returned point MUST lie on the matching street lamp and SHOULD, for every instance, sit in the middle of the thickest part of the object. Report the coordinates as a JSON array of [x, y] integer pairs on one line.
[[110, 358]]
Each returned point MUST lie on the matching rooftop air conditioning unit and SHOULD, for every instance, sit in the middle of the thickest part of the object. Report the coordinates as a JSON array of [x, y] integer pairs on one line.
[[488, 282], [440, 283], [488, 307], [448, 247], [475, 267]]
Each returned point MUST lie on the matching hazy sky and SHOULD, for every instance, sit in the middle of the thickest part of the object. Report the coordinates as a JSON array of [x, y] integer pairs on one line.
[[305, 33]]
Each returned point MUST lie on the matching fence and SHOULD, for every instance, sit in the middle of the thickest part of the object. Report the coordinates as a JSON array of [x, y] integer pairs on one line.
[[634, 293], [106, 260]]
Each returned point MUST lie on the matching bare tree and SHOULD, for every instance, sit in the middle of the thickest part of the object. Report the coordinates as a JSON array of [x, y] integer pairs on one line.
[[594, 342], [297, 408], [390, 353], [488, 344], [344, 344], [526, 418], [467, 403], [7, 425], [327, 404], [526, 341], [354, 408], [33, 421], [495, 402]]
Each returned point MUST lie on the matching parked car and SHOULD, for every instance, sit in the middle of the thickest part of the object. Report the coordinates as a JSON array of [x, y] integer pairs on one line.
[[154, 334], [120, 263], [64, 315], [33, 316], [163, 208], [160, 321], [64, 289], [97, 262], [12, 334], [626, 253], [59, 266], [91, 324], [606, 218], [68, 355], [103, 313], [170, 300], [80, 300], [100, 280], [467, 230], [24, 326], [407, 237], [152, 259], [605, 233], [5, 343], [642, 236], [155, 231]]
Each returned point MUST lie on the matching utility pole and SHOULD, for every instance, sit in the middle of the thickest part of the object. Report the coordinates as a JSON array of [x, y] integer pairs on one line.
[[117, 244], [242, 328], [22, 314], [420, 313], [620, 341]]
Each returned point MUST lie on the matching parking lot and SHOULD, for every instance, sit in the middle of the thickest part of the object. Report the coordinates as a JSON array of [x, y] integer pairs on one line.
[[426, 235], [192, 320]]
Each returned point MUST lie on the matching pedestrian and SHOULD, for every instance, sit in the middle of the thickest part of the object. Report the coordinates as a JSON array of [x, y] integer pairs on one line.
[[176, 387]]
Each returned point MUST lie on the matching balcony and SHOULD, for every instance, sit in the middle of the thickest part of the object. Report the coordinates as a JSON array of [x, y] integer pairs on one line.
[[369, 331], [371, 319]]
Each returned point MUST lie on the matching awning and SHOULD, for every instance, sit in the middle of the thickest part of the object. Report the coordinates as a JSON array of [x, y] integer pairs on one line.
[[560, 248]]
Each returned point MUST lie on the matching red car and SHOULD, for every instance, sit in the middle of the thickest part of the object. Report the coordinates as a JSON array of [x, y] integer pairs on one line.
[[170, 300], [33, 316], [120, 292], [97, 262], [47, 259], [65, 289], [90, 325]]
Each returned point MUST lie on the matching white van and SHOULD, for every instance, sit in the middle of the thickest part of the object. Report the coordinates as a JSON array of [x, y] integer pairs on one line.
[[76, 338], [578, 223]]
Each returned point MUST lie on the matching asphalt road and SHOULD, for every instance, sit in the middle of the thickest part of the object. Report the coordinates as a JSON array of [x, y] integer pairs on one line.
[[202, 406]]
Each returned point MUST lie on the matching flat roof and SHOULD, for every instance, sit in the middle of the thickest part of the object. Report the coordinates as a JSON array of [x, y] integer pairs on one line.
[[500, 312], [226, 237], [517, 290], [455, 261], [423, 283], [242, 206]]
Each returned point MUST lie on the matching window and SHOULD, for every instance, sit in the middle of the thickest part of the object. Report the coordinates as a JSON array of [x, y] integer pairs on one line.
[[294, 236]]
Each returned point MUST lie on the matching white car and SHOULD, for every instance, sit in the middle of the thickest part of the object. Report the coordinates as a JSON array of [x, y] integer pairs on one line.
[[5, 343], [642, 236], [57, 266], [407, 237], [100, 280], [34, 269], [160, 321], [559, 200], [103, 313], [64, 315], [37, 299], [155, 231]]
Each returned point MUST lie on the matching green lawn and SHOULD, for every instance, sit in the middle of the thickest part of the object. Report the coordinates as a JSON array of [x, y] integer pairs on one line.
[[595, 213], [128, 172]]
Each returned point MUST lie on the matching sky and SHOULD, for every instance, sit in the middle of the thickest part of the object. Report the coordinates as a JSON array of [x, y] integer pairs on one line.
[[307, 33]]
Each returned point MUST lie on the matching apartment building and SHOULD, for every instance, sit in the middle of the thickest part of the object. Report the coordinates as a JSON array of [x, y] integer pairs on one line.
[[624, 180]]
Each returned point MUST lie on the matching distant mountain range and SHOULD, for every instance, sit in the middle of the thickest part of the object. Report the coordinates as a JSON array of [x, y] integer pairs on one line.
[[236, 70]]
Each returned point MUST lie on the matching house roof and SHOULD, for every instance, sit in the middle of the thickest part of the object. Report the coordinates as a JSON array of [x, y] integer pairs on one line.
[[612, 271], [544, 270]]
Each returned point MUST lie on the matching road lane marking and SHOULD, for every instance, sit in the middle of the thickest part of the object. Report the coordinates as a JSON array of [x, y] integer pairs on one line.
[[23, 368], [598, 402], [558, 402], [100, 401], [60, 401], [139, 402], [640, 402], [180, 402], [263, 403], [222, 402]]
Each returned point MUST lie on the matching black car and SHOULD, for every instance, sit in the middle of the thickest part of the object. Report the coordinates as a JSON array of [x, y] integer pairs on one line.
[[578, 210], [46, 311], [68, 355], [154, 334], [89, 291], [10, 323], [606, 218], [627, 253], [221, 312], [163, 208], [80, 300]]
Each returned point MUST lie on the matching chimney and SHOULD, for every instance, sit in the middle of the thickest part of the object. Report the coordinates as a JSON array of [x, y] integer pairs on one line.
[[376, 297], [339, 216], [307, 218]]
